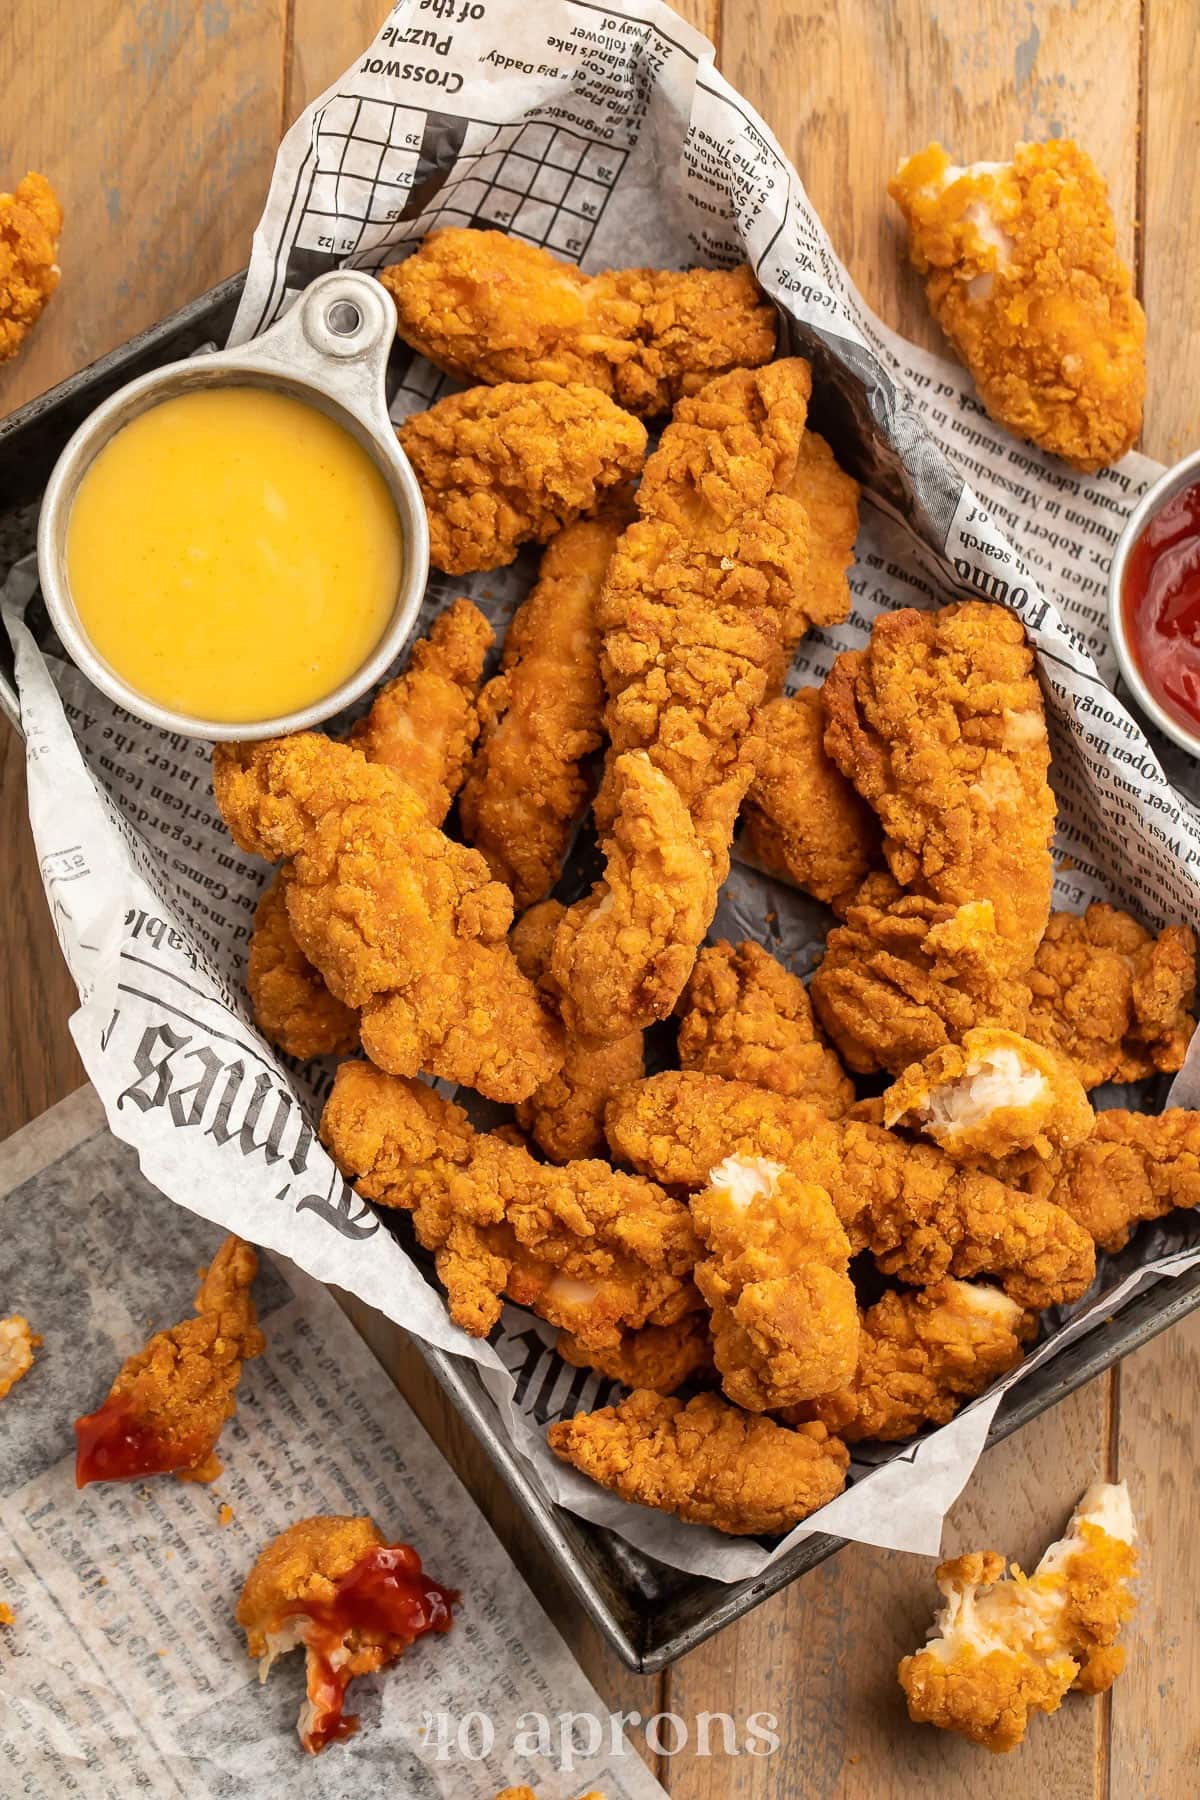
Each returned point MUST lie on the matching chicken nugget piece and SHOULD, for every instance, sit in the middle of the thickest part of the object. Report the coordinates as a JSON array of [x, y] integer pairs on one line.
[[17, 1344], [292, 1006], [565, 1116], [591, 1250], [166, 1409], [1135, 1166], [994, 1094], [355, 1602], [706, 1462], [30, 222], [830, 498], [777, 1282], [940, 725], [504, 466], [542, 716], [921, 1354], [1002, 1649], [487, 307], [1114, 999], [662, 1358], [745, 1016], [803, 820], [1023, 276]]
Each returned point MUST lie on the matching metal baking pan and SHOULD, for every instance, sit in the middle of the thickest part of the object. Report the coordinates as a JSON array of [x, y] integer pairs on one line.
[[650, 1614]]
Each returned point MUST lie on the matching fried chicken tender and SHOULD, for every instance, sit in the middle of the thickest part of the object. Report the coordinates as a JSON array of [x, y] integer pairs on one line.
[[1006, 1648], [659, 1357], [921, 1354], [803, 820], [292, 1006], [1114, 999], [591, 1250], [30, 221], [1135, 1166], [706, 1462], [355, 1602], [166, 1409], [905, 975], [565, 1116], [403, 924], [777, 1282], [622, 955], [17, 1345], [747, 1017], [542, 716], [920, 1215], [939, 723], [1023, 276], [486, 307], [994, 1094], [504, 466], [527, 1793], [830, 498]]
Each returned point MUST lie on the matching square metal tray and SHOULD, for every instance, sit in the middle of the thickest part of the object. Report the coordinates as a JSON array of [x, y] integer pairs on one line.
[[650, 1614]]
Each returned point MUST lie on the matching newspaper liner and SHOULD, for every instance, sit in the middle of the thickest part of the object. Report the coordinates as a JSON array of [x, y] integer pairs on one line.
[[610, 136]]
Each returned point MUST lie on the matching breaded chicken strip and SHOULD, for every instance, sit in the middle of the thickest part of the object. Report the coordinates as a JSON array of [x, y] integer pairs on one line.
[[170, 1400], [1005, 1648], [830, 498], [354, 1601], [803, 820], [487, 307], [17, 1345], [403, 924], [920, 1215], [541, 716], [994, 1094], [292, 1006], [565, 1116], [1023, 276], [921, 1354], [1135, 1166], [592, 1251], [1114, 999], [745, 1016], [939, 723], [30, 221], [504, 466], [659, 1357], [706, 1462], [777, 1281]]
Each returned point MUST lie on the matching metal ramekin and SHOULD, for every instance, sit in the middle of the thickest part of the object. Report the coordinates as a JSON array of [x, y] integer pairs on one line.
[[1171, 482], [330, 350]]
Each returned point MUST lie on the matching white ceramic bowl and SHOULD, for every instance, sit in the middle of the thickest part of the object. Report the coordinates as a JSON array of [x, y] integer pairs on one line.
[[1173, 481]]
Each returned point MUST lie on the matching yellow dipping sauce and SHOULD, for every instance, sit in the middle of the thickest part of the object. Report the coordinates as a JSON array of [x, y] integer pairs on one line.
[[234, 554]]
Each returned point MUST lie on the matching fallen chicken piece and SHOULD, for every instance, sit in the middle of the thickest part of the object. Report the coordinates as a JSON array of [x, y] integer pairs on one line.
[[1022, 274], [1004, 1648], [166, 1409], [355, 1602], [660, 1357], [777, 1281], [30, 221], [527, 1793], [994, 1094], [707, 1462], [487, 307], [504, 466], [17, 1345], [1135, 1166]]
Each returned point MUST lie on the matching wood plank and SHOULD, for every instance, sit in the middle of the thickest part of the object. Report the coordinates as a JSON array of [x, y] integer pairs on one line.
[[322, 42], [1170, 254]]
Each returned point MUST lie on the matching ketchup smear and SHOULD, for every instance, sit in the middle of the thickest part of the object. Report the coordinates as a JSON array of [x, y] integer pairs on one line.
[[385, 1594], [1160, 605], [113, 1444]]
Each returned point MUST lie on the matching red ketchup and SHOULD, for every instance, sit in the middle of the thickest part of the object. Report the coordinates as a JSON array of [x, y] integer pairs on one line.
[[1160, 606], [113, 1444]]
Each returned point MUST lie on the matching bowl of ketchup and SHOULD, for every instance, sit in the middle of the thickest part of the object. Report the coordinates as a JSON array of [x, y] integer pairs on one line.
[[1154, 603]]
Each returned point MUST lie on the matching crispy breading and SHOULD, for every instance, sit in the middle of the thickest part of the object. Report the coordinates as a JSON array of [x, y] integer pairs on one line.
[[940, 725], [1112, 997], [169, 1401], [776, 1277], [487, 307], [527, 1793], [745, 1016], [1135, 1166], [504, 466], [921, 1354], [706, 1462], [1022, 274], [17, 1344], [830, 498], [591, 1250], [803, 820], [30, 221], [920, 1215], [659, 1357], [542, 716], [292, 1006], [403, 924], [991, 1095]]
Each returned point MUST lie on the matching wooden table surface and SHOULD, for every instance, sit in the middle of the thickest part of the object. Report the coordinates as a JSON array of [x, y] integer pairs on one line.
[[157, 122]]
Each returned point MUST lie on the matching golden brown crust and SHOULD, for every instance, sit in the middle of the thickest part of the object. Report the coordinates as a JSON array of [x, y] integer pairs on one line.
[[662, 1358], [292, 1006], [995, 1095], [30, 222], [303, 1563], [1136, 1166], [17, 1344], [830, 498]]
